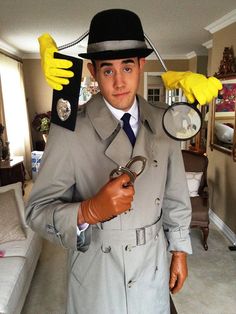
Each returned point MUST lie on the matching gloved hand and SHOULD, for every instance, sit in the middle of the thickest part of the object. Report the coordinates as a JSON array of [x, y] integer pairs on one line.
[[178, 271], [195, 86], [114, 198], [54, 69]]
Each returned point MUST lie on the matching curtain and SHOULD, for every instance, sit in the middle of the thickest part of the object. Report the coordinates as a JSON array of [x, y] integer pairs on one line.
[[15, 109]]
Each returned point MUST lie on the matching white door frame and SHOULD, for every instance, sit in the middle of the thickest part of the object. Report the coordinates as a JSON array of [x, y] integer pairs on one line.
[[146, 74]]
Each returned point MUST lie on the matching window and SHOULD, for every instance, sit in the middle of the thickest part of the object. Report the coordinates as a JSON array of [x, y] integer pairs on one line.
[[14, 107], [153, 95]]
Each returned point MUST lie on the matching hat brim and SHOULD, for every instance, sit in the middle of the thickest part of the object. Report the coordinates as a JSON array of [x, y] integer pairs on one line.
[[117, 54]]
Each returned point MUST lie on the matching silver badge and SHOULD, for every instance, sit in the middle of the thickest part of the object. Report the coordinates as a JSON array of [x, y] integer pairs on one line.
[[63, 109]]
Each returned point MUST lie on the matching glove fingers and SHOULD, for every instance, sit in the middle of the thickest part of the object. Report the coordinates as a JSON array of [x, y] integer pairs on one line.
[[60, 73], [214, 81], [212, 92], [189, 96], [197, 86], [50, 61], [46, 41], [200, 95], [54, 85], [205, 94], [60, 63], [58, 80]]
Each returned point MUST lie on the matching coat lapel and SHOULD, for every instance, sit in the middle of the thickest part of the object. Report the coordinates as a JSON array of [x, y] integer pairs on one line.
[[119, 148], [146, 141]]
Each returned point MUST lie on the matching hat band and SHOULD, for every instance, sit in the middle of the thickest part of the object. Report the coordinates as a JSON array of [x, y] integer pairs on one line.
[[116, 45]]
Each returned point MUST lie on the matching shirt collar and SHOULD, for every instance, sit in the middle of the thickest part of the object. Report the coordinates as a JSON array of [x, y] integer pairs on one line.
[[117, 113]]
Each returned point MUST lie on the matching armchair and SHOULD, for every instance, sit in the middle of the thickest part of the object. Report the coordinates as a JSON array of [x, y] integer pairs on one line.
[[196, 165]]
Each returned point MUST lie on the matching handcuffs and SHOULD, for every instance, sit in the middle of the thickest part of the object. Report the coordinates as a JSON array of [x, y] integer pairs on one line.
[[127, 169]]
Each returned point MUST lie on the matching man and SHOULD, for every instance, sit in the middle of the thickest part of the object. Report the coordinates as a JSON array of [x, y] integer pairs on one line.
[[117, 233]]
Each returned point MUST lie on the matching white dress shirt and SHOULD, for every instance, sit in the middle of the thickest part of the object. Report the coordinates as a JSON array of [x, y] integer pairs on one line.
[[133, 111]]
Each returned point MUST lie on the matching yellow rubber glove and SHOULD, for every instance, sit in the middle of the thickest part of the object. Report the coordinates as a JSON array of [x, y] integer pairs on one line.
[[195, 86], [54, 69]]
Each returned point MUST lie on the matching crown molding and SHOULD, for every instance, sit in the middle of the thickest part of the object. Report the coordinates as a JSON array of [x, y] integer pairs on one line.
[[9, 49], [221, 23], [31, 56], [191, 55], [208, 44], [175, 57], [168, 57]]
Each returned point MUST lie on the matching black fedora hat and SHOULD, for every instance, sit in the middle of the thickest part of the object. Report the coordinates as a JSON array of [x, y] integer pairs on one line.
[[116, 34]]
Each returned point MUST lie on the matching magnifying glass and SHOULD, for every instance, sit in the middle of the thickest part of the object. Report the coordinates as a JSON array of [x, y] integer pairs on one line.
[[181, 120]]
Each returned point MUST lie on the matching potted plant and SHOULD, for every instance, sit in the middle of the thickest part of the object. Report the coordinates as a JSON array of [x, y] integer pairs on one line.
[[41, 123]]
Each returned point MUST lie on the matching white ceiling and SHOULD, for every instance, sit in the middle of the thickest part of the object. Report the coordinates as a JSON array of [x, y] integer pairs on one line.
[[176, 27]]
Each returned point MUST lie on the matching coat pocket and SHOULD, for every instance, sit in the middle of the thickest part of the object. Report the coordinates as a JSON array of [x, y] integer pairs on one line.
[[83, 263]]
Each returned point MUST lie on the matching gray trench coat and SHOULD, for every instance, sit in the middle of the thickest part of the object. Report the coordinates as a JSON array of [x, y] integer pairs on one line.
[[119, 266]]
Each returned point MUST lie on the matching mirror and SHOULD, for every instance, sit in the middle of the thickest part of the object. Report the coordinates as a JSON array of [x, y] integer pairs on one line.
[[223, 134]]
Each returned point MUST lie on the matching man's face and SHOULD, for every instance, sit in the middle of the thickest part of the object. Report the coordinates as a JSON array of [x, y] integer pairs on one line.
[[118, 80]]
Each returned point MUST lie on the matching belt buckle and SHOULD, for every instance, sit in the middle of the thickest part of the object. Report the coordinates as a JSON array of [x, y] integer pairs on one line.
[[140, 236]]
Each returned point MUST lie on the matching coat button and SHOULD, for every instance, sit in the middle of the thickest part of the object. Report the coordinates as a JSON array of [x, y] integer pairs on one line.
[[157, 201], [129, 210], [154, 163], [128, 248], [106, 249], [130, 284]]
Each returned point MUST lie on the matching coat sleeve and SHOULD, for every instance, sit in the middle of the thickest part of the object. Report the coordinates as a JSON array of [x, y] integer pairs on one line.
[[52, 208], [176, 203]]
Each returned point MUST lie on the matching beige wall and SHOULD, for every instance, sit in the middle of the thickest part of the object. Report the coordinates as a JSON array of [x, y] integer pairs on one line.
[[222, 169], [209, 70], [193, 64], [155, 66], [202, 62]]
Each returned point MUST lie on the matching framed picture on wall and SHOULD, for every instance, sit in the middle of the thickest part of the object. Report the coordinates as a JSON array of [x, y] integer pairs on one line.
[[225, 102]]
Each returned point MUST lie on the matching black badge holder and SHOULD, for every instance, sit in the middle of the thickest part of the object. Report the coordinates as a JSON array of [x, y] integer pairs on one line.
[[65, 102]]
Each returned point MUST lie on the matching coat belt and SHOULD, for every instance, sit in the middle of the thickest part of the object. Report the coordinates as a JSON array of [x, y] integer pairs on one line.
[[131, 237]]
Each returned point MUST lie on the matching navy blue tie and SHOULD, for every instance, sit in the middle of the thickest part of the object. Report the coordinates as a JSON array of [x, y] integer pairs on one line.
[[127, 128]]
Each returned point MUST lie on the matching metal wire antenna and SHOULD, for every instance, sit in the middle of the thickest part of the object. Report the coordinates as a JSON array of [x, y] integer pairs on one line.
[[75, 42], [156, 52]]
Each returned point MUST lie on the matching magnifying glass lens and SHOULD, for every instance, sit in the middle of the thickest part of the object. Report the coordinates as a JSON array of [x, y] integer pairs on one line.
[[182, 121]]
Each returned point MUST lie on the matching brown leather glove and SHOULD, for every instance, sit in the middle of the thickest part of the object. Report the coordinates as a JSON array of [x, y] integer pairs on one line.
[[178, 271], [113, 199]]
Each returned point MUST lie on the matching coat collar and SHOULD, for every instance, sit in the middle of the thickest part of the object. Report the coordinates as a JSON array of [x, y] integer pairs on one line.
[[105, 123], [101, 118]]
